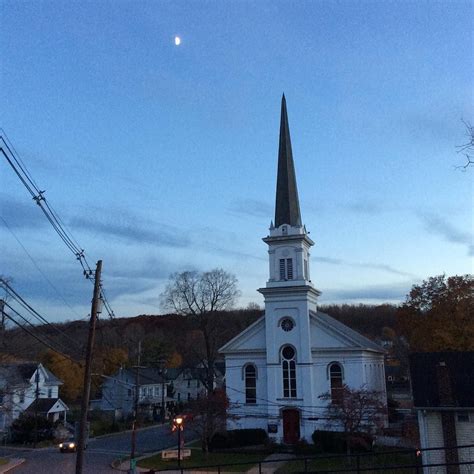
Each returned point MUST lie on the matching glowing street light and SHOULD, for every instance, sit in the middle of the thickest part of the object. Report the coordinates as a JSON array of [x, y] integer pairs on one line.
[[178, 423]]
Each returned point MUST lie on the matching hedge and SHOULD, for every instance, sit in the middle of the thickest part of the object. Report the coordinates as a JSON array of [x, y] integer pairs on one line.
[[238, 438]]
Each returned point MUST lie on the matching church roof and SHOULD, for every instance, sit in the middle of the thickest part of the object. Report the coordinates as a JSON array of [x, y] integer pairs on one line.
[[287, 207], [252, 339], [332, 323]]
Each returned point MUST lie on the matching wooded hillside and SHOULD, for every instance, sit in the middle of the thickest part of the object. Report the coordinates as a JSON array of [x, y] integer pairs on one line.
[[175, 338]]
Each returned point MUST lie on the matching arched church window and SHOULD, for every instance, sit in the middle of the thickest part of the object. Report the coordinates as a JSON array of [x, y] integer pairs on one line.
[[250, 374], [336, 380], [288, 365]]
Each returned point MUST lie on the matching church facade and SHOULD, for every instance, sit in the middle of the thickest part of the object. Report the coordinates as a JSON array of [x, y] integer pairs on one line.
[[277, 368]]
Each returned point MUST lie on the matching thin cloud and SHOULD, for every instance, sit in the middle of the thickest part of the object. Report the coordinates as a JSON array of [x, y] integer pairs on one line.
[[383, 293], [251, 207], [365, 207], [437, 225], [235, 253], [372, 266], [132, 232], [21, 214]]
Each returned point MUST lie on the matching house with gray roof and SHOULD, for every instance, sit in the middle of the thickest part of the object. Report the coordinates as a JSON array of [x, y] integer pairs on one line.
[[23, 384]]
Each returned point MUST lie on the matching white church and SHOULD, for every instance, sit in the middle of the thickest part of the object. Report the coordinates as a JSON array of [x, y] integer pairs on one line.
[[277, 368]]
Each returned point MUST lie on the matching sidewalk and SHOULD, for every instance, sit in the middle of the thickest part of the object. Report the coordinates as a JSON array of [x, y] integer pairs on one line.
[[267, 468], [13, 462], [271, 467]]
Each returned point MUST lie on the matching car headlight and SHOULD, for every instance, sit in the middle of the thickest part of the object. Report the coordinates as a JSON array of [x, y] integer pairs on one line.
[[60, 445], [71, 445]]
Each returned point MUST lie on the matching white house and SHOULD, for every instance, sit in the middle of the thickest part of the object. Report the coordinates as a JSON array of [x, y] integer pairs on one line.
[[443, 395], [21, 384], [277, 368]]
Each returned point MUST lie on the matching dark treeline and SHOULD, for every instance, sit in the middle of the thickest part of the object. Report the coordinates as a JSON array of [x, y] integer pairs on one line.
[[369, 320], [172, 333]]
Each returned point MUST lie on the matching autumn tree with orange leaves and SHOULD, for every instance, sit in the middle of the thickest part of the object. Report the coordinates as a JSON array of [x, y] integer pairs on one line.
[[438, 315]]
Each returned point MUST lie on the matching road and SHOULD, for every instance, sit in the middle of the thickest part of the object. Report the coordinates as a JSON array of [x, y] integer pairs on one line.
[[97, 457]]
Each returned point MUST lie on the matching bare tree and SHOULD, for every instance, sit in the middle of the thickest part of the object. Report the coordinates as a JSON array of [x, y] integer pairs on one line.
[[215, 405], [356, 411], [467, 149], [202, 296]]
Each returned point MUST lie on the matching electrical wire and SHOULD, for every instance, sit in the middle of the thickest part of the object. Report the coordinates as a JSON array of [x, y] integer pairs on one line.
[[11, 292], [19, 168], [54, 349], [38, 268]]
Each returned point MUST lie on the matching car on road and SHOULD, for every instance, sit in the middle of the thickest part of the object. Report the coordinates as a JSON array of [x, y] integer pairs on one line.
[[68, 445]]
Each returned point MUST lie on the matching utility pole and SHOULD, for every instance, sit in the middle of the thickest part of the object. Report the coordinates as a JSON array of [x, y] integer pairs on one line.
[[163, 372], [87, 371], [36, 405], [135, 410]]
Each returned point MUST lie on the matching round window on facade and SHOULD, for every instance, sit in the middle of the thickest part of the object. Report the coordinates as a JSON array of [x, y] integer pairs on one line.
[[288, 353], [287, 324]]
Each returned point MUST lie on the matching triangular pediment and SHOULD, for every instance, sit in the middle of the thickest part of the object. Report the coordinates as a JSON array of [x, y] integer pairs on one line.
[[250, 339], [328, 333]]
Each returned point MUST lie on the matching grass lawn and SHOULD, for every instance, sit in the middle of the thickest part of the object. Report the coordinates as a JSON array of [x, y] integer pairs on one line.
[[3, 461], [198, 459], [340, 462]]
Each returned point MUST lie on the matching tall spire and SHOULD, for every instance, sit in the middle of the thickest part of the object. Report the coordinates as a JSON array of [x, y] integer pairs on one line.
[[287, 208]]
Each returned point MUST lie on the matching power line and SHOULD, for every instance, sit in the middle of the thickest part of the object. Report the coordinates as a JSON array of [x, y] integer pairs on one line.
[[11, 318], [19, 168], [38, 268], [33, 312]]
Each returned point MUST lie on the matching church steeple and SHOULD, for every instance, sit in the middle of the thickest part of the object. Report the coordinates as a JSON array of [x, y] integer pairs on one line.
[[287, 207], [288, 240]]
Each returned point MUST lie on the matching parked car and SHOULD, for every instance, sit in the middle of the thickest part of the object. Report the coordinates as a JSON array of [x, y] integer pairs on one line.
[[68, 445]]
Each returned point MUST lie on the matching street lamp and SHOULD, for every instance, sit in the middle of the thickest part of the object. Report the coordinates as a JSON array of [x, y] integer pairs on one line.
[[178, 421]]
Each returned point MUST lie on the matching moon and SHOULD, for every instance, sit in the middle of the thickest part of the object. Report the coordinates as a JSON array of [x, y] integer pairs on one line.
[[177, 40]]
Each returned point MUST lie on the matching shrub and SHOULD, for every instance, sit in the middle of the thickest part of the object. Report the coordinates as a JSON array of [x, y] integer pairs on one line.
[[23, 429], [238, 438], [336, 441], [330, 441]]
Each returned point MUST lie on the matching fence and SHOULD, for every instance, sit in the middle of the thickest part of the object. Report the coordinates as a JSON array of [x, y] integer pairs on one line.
[[406, 461]]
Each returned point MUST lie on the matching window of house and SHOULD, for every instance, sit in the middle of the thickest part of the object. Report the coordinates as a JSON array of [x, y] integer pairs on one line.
[[129, 392], [305, 266], [157, 391], [50, 393], [288, 363], [22, 396], [179, 397], [250, 384], [197, 383], [286, 269], [189, 397], [335, 376], [463, 417], [189, 383]]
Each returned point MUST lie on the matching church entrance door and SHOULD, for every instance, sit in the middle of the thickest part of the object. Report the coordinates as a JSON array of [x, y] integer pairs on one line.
[[291, 426]]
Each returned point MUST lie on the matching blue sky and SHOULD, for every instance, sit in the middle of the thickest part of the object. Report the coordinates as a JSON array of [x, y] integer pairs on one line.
[[162, 158]]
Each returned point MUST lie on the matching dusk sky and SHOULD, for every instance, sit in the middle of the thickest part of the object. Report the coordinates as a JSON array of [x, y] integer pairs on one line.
[[162, 158]]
